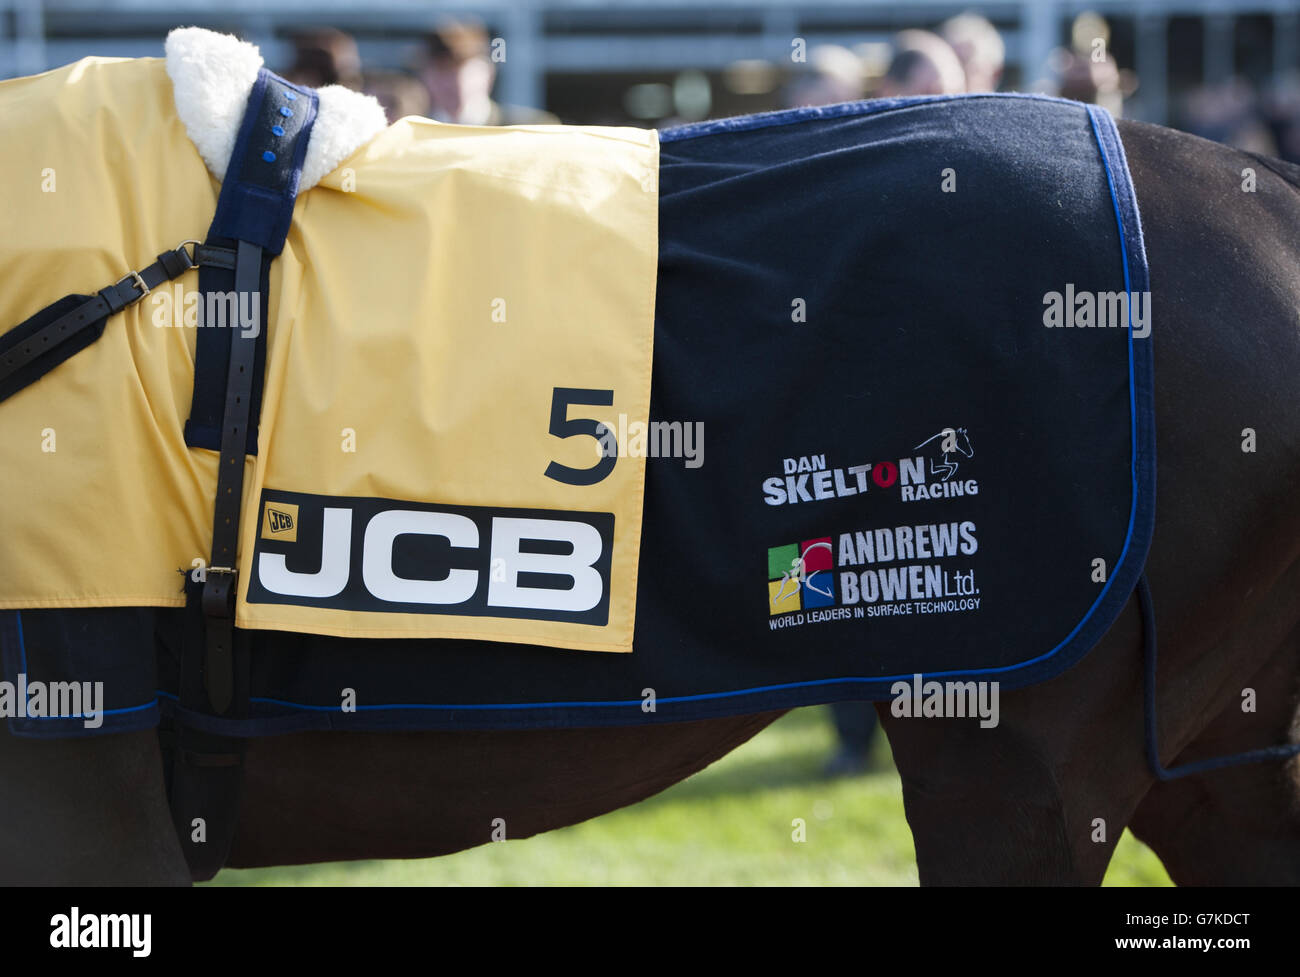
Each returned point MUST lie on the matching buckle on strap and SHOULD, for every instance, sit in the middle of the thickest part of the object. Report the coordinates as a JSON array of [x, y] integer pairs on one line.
[[134, 278], [163, 269], [219, 592]]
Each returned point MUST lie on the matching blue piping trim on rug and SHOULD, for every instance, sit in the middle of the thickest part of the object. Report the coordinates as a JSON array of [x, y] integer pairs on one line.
[[840, 110], [70, 725]]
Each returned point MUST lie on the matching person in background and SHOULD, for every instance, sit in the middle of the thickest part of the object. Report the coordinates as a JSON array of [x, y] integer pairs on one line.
[[457, 71], [325, 56], [328, 56], [923, 64], [1086, 71], [855, 727], [835, 75], [1086, 80], [1230, 113], [979, 48], [1281, 113], [399, 93]]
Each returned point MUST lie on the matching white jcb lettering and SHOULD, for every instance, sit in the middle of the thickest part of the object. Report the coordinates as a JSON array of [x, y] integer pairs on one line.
[[377, 559], [587, 589], [575, 585], [330, 579]]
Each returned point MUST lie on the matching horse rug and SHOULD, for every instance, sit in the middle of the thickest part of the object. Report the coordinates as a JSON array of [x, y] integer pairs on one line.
[[899, 426], [512, 295]]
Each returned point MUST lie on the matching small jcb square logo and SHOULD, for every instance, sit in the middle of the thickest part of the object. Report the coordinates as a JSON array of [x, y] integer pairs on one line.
[[800, 576], [280, 522]]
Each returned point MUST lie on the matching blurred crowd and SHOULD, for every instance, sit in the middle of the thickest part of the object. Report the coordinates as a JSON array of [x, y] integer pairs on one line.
[[1260, 119], [967, 54], [451, 78], [964, 54]]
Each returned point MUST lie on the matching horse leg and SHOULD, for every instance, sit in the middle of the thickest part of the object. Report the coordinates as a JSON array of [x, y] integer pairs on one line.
[[317, 797], [1241, 825], [1042, 796], [90, 809], [1045, 795]]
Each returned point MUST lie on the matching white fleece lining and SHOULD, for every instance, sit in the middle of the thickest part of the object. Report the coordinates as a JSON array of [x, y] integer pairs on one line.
[[212, 75]]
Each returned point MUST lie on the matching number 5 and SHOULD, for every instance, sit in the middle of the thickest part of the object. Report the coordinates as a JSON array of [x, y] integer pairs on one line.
[[562, 426]]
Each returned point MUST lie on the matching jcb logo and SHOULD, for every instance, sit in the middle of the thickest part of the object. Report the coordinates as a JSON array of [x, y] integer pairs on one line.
[[384, 555], [280, 522]]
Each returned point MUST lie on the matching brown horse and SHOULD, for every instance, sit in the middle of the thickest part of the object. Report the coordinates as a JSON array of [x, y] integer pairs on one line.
[[1017, 803]]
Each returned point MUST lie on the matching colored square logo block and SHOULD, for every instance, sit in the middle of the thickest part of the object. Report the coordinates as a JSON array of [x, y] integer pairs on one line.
[[818, 573], [819, 590], [816, 554], [780, 560], [782, 602]]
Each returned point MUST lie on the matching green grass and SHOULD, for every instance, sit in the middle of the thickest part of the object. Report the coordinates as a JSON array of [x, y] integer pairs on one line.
[[729, 824]]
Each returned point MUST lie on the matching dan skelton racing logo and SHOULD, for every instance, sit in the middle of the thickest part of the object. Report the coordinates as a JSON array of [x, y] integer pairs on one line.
[[930, 472]]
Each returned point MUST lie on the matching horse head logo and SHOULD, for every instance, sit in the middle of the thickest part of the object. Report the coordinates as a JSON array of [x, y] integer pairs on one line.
[[951, 443]]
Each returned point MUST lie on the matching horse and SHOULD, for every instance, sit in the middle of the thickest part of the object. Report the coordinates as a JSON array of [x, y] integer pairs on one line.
[[1016, 804]]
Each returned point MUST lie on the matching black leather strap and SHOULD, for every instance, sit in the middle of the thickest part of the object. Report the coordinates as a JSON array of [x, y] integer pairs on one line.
[[203, 769], [208, 255], [108, 301], [206, 777], [254, 210], [221, 584]]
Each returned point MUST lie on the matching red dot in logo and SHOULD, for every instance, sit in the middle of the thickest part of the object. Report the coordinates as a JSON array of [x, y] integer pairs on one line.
[[884, 474]]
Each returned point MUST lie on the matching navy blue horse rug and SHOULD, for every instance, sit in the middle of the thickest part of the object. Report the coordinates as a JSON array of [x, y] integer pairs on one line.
[[901, 420]]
